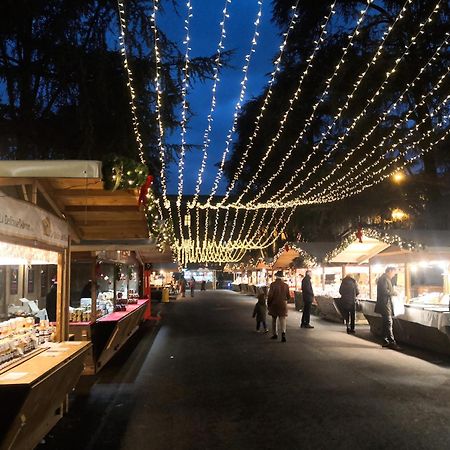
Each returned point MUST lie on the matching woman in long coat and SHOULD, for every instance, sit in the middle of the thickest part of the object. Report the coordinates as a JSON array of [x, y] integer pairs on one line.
[[277, 303], [346, 304]]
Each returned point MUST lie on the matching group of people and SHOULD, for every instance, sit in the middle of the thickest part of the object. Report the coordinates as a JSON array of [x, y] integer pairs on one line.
[[183, 284], [278, 297]]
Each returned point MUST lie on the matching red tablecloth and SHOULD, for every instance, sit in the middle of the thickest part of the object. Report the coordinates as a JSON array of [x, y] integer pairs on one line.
[[117, 315]]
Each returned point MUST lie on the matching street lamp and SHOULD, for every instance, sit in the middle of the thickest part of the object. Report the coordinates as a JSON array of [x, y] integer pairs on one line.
[[398, 177]]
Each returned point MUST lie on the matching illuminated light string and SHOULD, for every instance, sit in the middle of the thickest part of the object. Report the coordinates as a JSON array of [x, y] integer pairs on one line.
[[267, 98], [157, 81], [316, 105], [238, 204], [398, 167], [237, 107], [123, 51], [184, 107], [210, 119], [354, 189], [396, 129], [299, 202], [355, 184], [343, 108], [355, 121]]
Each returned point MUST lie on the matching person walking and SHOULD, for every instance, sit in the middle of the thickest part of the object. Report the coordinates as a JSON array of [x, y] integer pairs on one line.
[[192, 286], [385, 291], [260, 312], [346, 304], [308, 298], [277, 302]]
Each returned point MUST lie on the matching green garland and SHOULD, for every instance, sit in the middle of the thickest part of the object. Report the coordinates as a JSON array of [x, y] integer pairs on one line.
[[123, 173], [375, 234]]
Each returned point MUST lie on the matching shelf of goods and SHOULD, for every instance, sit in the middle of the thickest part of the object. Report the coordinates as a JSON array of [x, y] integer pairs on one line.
[[108, 333], [422, 325], [33, 392]]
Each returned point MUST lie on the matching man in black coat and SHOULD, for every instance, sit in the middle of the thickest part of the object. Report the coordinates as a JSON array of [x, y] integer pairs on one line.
[[308, 298], [385, 291], [346, 304]]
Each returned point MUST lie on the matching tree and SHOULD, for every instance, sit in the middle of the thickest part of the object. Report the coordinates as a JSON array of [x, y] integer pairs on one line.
[[63, 86], [337, 146]]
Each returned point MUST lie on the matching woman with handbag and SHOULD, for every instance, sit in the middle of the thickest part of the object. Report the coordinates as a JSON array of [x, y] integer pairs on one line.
[[349, 291]]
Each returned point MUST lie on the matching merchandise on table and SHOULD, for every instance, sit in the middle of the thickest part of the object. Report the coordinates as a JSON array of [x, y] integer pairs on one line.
[[19, 336]]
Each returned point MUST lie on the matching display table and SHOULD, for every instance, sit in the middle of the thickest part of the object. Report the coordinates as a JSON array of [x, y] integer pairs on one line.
[[108, 334], [423, 326], [329, 311], [32, 393]]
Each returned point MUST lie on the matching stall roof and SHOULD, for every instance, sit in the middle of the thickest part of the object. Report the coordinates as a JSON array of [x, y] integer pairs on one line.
[[74, 190], [313, 252], [359, 252], [430, 245]]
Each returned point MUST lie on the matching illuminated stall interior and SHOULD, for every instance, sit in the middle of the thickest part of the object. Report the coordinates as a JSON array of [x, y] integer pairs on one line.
[[423, 267]]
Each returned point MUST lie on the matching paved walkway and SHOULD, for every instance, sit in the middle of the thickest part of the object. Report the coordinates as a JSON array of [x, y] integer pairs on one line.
[[204, 379]]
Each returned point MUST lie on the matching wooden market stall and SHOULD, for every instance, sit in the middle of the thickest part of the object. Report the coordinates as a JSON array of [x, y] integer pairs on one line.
[[36, 358], [422, 284], [350, 256], [101, 222]]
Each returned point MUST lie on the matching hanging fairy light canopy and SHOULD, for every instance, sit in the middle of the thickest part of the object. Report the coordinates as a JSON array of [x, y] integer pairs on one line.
[[209, 227]]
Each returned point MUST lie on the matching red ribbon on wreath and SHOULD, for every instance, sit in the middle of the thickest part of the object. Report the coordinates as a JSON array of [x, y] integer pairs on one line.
[[359, 234], [286, 247], [144, 189]]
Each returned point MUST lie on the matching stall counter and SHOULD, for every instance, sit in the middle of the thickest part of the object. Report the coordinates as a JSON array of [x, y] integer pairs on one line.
[[426, 327], [29, 412], [108, 334]]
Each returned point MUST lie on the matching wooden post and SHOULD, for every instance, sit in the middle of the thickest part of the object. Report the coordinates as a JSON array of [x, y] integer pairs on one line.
[[59, 299], [66, 292], [407, 282], [94, 289]]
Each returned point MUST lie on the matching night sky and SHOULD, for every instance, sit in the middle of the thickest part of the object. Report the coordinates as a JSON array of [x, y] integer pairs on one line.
[[205, 34]]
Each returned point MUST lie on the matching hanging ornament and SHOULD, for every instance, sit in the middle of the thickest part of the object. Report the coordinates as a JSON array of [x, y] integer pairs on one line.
[[144, 189], [359, 233]]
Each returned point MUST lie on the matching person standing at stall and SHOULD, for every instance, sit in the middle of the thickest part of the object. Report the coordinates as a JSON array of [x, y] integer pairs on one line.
[[182, 286], [277, 302], [385, 291], [346, 304], [308, 298]]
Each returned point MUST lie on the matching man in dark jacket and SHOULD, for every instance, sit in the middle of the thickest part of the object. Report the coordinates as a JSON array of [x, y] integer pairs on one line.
[[277, 302], [308, 298], [385, 291], [346, 304]]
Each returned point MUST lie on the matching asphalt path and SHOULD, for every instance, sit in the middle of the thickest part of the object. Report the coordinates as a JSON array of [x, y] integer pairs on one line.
[[204, 379]]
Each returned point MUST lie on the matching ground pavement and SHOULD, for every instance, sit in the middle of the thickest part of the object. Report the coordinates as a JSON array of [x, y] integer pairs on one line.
[[204, 379]]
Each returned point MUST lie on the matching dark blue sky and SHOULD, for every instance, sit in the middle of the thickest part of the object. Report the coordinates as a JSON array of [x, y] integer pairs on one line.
[[205, 34]]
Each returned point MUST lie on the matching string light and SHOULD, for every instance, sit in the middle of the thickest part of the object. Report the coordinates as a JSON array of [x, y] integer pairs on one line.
[[310, 119], [123, 51], [390, 136], [264, 106], [356, 120], [237, 107]]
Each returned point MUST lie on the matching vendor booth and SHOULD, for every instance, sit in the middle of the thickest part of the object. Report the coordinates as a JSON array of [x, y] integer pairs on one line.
[[109, 234], [422, 259], [38, 365]]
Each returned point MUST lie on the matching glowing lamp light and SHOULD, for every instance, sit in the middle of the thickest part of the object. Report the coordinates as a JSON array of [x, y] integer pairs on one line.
[[399, 215], [398, 177]]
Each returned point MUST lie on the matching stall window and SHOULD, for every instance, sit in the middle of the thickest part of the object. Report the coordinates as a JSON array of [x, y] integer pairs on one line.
[[14, 280]]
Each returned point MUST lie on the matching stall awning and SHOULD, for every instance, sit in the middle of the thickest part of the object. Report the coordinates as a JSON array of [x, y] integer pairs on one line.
[[73, 190], [359, 252]]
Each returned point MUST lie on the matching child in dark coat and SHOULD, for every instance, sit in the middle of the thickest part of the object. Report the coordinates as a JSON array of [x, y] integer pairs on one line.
[[260, 312]]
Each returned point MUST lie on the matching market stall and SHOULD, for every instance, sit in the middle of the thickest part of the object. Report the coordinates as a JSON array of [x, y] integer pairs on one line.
[[99, 220], [422, 260], [348, 257], [35, 357]]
